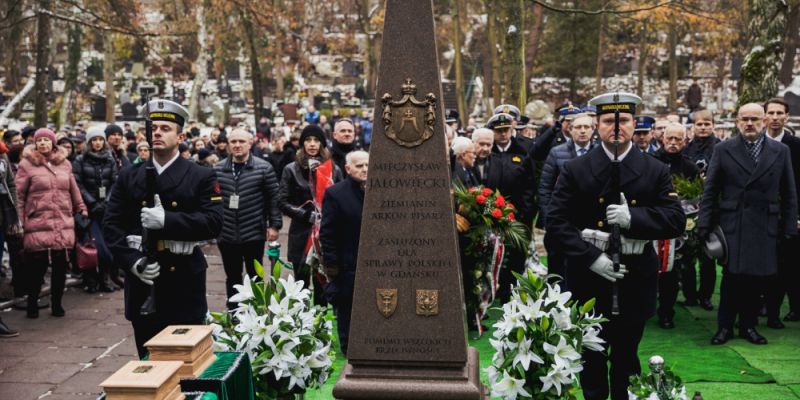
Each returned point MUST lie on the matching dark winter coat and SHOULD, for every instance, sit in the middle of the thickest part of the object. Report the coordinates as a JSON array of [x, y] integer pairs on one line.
[[257, 187], [340, 230], [553, 167], [579, 202], [793, 143], [95, 170], [700, 150], [753, 203], [8, 189], [507, 172], [294, 200], [678, 164]]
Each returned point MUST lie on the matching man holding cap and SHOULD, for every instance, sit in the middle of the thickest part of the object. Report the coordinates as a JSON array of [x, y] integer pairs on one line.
[[187, 210], [645, 207]]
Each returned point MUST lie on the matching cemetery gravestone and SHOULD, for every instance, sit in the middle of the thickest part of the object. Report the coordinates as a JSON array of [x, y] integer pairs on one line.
[[407, 335]]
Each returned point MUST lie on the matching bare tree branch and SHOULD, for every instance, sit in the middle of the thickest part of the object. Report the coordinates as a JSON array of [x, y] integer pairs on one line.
[[603, 10]]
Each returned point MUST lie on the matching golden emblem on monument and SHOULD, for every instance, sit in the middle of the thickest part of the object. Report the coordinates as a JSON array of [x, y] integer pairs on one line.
[[427, 302], [409, 121], [386, 300]]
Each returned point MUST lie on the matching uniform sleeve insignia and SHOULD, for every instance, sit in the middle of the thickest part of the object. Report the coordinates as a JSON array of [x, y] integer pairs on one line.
[[516, 159], [672, 194], [216, 198], [217, 189]]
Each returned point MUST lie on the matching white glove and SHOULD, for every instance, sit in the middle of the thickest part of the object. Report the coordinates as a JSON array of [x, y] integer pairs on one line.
[[153, 218], [182, 248], [604, 267], [619, 213], [149, 273]]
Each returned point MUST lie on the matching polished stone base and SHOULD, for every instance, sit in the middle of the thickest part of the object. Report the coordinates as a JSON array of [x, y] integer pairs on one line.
[[407, 383]]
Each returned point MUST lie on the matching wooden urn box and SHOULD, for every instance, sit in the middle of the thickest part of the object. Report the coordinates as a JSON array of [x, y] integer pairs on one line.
[[141, 380], [190, 344]]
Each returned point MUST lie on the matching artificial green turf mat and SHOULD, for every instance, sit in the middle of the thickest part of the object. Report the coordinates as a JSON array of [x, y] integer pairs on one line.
[[687, 350], [740, 391], [795, 389]]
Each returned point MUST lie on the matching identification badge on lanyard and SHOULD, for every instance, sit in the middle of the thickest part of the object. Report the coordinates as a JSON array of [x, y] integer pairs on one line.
[[102, 192], [234, 202]]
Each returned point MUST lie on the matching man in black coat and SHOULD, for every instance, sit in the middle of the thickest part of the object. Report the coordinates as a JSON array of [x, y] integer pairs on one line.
[[645, 208], [187, 210], [339, 236], [343, 141], [251, 214], [788, 278], [750, 192], [674, 139]]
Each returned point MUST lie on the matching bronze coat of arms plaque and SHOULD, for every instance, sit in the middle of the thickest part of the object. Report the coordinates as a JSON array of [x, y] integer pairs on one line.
[[427, 302], [387, 301], [408, 121]]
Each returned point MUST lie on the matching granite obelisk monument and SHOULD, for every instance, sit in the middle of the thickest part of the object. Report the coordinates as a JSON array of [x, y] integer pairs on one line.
[[407, 333]]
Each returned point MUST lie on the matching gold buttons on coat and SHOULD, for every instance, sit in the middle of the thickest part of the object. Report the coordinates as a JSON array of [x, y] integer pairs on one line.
[[174, 204], [599, 224], [171, 269], [633, 202], [144, 203], [601, 200]]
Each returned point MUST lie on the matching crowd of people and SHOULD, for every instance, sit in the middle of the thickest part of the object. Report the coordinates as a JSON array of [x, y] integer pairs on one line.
[[236, 184]]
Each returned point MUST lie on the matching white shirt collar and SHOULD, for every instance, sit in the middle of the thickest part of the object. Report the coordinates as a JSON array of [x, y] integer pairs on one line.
[[159, 168], [504, 149], [619, 157], [578, 147], [778, 138]]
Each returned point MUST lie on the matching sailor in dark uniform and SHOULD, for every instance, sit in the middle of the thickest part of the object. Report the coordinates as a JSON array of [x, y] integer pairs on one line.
[[187, 210], [583, 207]]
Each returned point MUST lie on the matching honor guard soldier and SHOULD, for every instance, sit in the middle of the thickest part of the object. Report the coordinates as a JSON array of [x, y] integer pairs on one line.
[[607, 208], [505, 170], [166, 270]]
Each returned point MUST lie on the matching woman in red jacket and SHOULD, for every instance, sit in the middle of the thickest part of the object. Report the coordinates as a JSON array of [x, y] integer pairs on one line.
[[48, 199]]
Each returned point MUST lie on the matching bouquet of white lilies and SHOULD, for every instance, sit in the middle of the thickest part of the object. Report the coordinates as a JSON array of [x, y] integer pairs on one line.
[[539, 339], [288, 340]]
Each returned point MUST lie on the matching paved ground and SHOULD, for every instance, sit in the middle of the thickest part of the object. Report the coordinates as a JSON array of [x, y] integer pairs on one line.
[[67, 358]]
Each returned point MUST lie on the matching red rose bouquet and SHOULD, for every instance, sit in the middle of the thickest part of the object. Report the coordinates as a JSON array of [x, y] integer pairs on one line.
[[487, 224]]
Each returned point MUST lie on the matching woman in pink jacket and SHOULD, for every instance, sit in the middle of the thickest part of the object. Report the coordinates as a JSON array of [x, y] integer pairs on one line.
[[48, 199]]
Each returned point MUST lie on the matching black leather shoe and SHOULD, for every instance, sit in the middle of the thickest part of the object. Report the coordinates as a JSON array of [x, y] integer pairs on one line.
[[705, 304], [792, 317], [57, 311], [752, 336], [666, 323], [105, 288], [722, 336], [775, 324], [23, 306]]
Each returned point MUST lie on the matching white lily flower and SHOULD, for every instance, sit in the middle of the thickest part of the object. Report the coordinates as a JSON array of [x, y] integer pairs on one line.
[[591, 339], [509, 387], [525, 356], [558, 377], [243, 292], [563, 353], [562, 318], [554, 294]]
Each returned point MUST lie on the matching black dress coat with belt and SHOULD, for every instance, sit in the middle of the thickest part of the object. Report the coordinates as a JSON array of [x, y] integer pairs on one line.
[[294, 200], [579, 202], [190, 195], [507, 172], [752, 202]]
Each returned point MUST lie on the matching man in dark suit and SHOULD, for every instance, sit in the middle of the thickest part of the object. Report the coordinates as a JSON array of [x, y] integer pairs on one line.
[[674, 139], [339, 235], [788, 278], [578, 145], [187, 210], [750, 192], [646, 208], [463, 167]]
